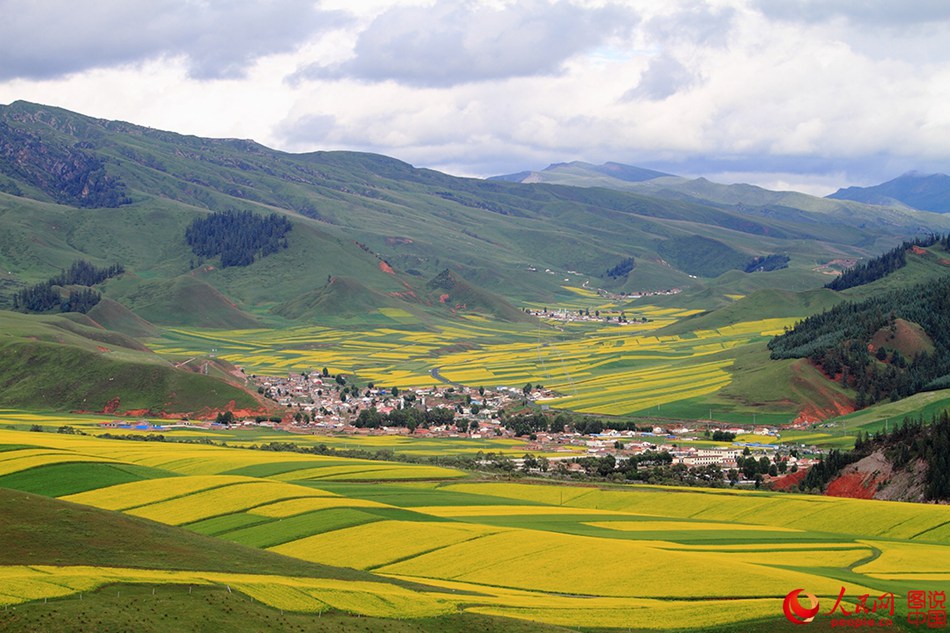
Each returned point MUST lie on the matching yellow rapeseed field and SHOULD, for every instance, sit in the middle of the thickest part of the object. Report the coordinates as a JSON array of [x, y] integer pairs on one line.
[[218, 501], [139, 493], [545, 561], [403, 539], [909, 558]]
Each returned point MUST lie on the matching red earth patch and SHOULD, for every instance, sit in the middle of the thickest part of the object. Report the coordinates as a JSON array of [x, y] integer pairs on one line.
[[786, 482], [386, 268], [853, 485]]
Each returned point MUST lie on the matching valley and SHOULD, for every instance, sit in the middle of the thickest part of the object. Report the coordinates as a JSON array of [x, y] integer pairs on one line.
[[337, 392]]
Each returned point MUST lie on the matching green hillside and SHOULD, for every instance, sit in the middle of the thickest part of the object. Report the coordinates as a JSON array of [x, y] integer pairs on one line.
[[72, 363], [38, 530], [457, 294], [339, 297]]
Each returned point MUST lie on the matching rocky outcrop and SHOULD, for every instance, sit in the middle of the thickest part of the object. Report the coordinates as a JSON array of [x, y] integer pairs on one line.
[[66, 173]]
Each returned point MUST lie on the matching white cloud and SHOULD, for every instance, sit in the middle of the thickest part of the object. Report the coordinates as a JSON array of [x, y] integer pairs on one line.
[[43, 39], [452, 43]]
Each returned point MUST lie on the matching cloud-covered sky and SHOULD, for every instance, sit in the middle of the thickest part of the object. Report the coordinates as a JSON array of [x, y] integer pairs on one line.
[[801, 94]]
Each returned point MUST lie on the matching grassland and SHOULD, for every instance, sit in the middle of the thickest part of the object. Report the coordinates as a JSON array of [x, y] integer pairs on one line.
[[650, 558]]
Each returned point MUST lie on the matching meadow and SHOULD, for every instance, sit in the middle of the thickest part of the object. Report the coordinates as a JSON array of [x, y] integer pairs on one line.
[[433, 541]]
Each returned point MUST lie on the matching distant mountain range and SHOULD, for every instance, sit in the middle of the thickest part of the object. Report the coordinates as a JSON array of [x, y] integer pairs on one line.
[[920, 192], [925, 192]]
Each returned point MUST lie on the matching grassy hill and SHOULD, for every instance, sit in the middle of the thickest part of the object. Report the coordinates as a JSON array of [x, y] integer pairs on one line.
[[457, 294], [71, 362], [339, 297]]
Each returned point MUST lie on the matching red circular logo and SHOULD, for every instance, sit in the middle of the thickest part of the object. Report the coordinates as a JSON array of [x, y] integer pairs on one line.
[[795, 612]]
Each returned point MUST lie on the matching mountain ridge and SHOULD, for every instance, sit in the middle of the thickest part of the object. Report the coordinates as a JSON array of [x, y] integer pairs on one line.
[[923, 192]]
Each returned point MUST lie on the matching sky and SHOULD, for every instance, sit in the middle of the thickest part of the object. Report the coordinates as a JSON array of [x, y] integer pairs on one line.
[[808, 95]]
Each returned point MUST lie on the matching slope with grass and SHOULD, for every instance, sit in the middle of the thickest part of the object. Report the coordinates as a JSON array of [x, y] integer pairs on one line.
[[72, 363]]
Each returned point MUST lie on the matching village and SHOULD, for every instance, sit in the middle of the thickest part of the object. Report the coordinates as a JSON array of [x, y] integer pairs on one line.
[[317, 403], [321, 404]]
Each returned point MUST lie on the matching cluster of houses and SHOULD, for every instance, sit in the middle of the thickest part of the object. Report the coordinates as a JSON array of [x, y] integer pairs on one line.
[[319, 402], [623, 444]]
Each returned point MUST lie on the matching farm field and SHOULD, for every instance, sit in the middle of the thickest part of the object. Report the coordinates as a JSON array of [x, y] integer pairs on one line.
[[595, 367], [432, 542]]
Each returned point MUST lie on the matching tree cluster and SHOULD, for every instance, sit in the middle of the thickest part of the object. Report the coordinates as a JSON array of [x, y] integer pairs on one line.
[[882, 265], [837, 341], [766, 263], [539, 422], [749, 466], [238, 237], [408, 417], [622, 269], [46, 296], [653, 467], [827, 469]]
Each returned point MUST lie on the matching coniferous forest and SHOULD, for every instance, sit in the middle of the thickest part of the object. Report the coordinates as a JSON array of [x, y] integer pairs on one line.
[[239, 237], [622, 269], [837, 341], [44, 296], [883, 265]]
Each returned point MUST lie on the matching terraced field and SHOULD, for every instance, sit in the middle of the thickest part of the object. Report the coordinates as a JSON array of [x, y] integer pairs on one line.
[[645, 557]]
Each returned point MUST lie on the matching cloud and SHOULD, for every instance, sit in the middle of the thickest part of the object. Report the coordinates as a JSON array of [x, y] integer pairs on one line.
[[663, 77], [693, 22], [45, 39], [881, 13], [452, 43]]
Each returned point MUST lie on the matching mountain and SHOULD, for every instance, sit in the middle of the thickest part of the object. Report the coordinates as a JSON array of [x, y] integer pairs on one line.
[[106, 191], [925, 192], [585, 174], [749, 200]]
